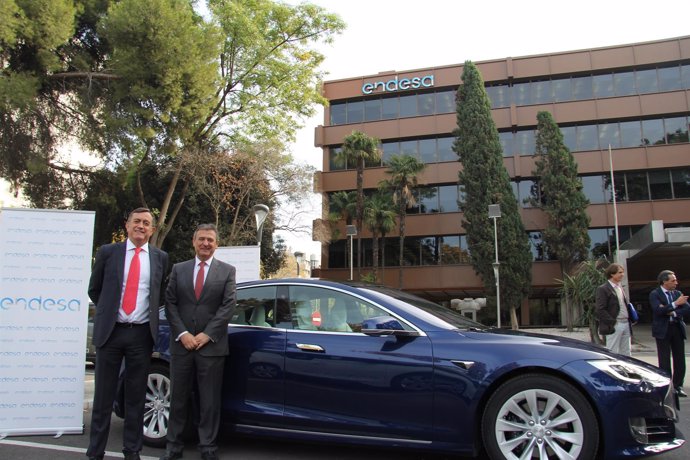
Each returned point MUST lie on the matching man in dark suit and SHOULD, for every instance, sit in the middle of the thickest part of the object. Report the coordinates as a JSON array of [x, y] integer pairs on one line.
[[199, 302], [668, 328], [125, 285], [613, 313]]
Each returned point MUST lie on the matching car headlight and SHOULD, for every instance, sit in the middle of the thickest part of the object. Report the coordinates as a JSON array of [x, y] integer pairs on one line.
[[630, 373]]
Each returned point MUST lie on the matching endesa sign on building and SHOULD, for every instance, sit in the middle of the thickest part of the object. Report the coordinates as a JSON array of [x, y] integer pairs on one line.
[[398, 84]]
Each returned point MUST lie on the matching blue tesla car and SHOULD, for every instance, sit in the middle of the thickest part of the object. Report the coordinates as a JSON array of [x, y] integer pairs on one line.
[[314, 360]]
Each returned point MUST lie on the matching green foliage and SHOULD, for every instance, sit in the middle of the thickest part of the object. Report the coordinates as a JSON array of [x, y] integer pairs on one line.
[[379, 217], [484, 181], [561, 195], [403, 171], [578, 291]]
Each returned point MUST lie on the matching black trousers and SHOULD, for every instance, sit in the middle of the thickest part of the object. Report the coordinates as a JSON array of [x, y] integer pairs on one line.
[[672, 345], [133, 344]]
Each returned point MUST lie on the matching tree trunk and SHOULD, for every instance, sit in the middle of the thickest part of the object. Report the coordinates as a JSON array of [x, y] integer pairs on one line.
[[513, 318]]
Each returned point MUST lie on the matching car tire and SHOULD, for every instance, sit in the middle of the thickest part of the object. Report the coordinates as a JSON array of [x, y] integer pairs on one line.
[[514, 424], [157, 410]]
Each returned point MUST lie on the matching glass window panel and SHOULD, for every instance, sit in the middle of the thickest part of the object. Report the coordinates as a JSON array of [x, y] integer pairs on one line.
[[587, 138], [660, 185], [389, 108], [538, 246], [506, 140], [499, 95], [541, 92], [450, 250], [338, 113], [514, 186], [609, 135], [448, 198], [681, 183], [669, 79], [426, 104], [428, 200], [372, 110], [593, 189], [646, 81], [527, 189], [619, 181], [411, 251], [444, 146], [631, 133], [373, 163], [685, 76], [409, 148], [562, 90], [427, 151], [337, 251], [624, 83], [429, 250], [521, 93], [582, 88], [570, 137], [653, 132], [445, 102], [388, 149], [355, 112], [603, 85], [408, 106], [524, 143], [333, 164], [637, 187], [600, 242], [676, 129], [255, 306]]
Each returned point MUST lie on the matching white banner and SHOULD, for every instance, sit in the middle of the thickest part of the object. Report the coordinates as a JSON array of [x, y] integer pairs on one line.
[[245, 259], [45, 263]]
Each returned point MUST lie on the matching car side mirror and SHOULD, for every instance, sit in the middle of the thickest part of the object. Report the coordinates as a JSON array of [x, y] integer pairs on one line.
[[385, 325]]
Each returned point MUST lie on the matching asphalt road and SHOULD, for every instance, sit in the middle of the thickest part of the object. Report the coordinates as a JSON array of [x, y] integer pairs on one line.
[[71, 447]]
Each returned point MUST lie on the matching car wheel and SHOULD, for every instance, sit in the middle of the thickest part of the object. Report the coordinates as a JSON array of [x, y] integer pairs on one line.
[[157, 410], [539, 416]]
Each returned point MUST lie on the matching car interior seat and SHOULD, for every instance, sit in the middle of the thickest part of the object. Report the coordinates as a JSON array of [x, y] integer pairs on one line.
[[303, 313], [258, 316], [337, 318]]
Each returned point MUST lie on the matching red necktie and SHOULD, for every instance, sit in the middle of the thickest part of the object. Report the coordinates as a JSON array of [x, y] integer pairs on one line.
[[199, 285], [129, 301]]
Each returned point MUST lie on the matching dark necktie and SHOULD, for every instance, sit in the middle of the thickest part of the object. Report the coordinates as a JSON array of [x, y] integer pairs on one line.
[[199, 285], [129, 301], [670, 303]]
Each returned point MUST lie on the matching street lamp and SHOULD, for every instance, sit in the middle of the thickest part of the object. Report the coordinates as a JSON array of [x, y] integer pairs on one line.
[[260, 212], [299, 256], [351, 231], [494, 213]]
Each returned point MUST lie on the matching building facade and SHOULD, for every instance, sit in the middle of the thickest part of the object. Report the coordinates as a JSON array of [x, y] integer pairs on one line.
[[634, 98]]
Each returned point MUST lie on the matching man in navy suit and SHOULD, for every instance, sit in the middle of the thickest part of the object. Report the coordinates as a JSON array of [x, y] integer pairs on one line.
[[125, 285], [668, 328], [199, 302]]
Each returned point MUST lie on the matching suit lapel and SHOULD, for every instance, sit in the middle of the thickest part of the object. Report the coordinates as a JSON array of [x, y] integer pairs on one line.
[[120, 262]]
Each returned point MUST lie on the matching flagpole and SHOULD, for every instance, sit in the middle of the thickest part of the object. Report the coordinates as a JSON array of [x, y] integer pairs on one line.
[[615, 209]]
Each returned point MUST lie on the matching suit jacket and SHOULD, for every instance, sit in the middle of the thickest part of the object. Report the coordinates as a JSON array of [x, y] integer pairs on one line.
[[210, 314], [608, 308], [105, 288], [660, 310]]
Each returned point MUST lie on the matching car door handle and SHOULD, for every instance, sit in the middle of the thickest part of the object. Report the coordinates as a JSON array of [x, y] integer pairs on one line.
[[310, 347]]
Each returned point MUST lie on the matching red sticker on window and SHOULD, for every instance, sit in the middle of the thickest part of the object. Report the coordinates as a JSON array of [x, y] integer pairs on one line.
[[316, 318]]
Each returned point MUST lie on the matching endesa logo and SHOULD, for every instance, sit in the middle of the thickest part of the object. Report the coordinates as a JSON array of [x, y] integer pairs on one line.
[[399, 84], [40, 303]]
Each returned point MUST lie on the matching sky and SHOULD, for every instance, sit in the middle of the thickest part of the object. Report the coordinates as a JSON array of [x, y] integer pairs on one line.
[[384, 35]]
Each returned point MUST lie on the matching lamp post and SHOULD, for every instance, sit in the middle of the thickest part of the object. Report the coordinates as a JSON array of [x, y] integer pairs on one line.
[[495, 213], [351, 231], [260, 212], [299, 256]]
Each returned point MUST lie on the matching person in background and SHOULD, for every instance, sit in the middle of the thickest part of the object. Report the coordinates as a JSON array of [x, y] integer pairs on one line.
[[125, 286], [613, 313], [668, 328], [199, 302]]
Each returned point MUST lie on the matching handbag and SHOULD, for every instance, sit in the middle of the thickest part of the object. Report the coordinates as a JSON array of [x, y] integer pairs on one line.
[[634, 317]]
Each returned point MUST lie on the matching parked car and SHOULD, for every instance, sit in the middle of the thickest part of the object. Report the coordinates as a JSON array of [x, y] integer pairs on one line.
[[314, 360]]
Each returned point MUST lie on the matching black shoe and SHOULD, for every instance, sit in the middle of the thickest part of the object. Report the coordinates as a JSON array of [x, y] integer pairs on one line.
[[171, 456], [209, 455], [96, 457], [681, 393]]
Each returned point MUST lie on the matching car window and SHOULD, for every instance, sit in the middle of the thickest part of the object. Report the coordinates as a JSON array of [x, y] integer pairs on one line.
[[255, 306], [319, 309]]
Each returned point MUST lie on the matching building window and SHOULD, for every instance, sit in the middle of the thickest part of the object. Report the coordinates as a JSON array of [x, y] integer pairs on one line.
[[681, 183], [448, 198], [427, 151], [338, 113], [593, 189], [624, 84], [390, 108], [444, 146], [445, 102], [646, 81], [660, 185], [653, 132], [372, 109], [603, 86], [408, 106], [669, 79], [631, 133], [355, 112], [676, 130]]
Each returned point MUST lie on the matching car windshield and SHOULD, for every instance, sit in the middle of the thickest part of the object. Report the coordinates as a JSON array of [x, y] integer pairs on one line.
[[452, 317]]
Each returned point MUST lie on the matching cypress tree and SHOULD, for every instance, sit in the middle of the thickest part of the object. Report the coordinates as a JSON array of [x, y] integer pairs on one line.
[[484, 180], [562, 199]]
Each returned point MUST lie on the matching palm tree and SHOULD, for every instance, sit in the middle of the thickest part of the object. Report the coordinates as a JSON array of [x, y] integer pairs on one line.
[[403, 171], [343, 205], [358, 148], [579, 291], [379, 216]]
